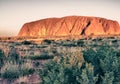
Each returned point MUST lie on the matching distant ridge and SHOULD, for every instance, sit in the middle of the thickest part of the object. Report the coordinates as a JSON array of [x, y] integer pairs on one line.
[[70, 25]]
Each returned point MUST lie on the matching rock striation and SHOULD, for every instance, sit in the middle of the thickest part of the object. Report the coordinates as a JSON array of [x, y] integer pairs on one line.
[[70, 25]]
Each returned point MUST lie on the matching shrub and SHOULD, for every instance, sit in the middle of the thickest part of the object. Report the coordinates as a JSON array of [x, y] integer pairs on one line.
[[41, 46], [80, 43], [10, 75], [15, 67], [26, 42], [69, 44], [40, 57], [106, 63], [108, 78], [9, 72], [87, 75], [12, 72], [2, 58], [36, 63], [46, 41], [68, 69], [93, 55], [110, 66], [118, 53], [26, 68], [26, 71], [115, 41], [13, 56]]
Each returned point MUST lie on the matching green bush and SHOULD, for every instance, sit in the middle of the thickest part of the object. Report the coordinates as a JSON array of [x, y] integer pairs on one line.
[[41, 46], [47, 41], [69, 44], [80, 43], [2, 58], [108, 78], [40, 57], [10, 74], [13, 56], [12, 71], [101, 66], [106, 63], [115, 41], [87, 75], [27, 42], [69, 69], [110, 66], [26, 71]]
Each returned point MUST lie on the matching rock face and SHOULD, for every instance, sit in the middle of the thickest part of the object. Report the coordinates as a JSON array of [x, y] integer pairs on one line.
[[70, 25]]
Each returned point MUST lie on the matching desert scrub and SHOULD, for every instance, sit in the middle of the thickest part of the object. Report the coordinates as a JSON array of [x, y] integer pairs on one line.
[[40, 57], [100, 65], [68, 43], [41, 46], [80, 43], [9, 72], [87, 75], [106, 63], [12, 71], [68, 69], [18, 43], [2, 58], [27, 42], [13, 56], [31, 46], [47, 41], [26, 71], [26, 68]]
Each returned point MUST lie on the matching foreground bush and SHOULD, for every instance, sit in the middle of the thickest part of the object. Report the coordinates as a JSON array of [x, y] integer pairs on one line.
[[106, 63], [101, 65], [13, 56], [9, 72], [12, 71], [70, 69]]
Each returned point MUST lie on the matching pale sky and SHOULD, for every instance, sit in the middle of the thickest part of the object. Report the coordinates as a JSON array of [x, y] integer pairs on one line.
[[14, 13]]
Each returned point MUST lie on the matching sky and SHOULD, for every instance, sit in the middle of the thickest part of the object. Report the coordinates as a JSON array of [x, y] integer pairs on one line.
[[14, 13]]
